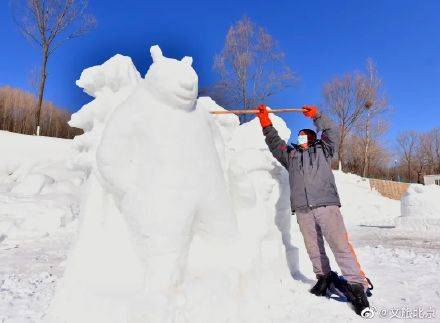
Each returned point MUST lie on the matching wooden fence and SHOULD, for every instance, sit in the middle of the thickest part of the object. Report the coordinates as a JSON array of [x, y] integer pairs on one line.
[[390, 189]]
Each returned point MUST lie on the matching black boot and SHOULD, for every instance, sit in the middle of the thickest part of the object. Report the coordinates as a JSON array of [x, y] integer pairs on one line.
[[357, 297], [320, 288], [370, 287]]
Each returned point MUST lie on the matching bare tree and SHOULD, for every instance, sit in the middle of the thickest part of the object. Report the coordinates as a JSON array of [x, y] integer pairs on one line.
[[354, 100], [378, 158], [373, 121], [424, 155], [343, 101], [427, 155], [50, 23], [250, 66], [370, 130], [435, 144], [406, 142]]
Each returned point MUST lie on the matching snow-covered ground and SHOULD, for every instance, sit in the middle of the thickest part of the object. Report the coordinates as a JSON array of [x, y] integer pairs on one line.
[[51, 223], [403, 268], [403, 265], [39, 206]]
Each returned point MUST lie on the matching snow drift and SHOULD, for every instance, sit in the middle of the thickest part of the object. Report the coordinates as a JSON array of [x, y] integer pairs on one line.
[[362, 205], [38, 189]]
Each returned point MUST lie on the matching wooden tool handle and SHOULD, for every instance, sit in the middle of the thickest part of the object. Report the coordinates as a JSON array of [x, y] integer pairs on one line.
[[255, 111]]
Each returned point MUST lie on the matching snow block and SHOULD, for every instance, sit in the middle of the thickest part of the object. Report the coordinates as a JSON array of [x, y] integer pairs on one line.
[[420, 209]]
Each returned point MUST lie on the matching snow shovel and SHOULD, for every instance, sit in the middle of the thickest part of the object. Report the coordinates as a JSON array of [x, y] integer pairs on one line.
[[256, 111]]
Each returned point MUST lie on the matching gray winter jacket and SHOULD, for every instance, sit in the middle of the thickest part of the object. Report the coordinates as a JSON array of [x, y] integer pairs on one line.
[[312, 183]]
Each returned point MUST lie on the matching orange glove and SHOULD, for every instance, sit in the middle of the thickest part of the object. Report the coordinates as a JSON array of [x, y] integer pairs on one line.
[[263, 115], [311, 111]]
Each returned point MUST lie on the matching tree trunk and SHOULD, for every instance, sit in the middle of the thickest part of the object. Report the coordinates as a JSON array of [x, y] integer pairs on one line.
[[419, 175], [340, 148], [367, 144], [4, 119], [45, 56], [242, 117], [49, 125]]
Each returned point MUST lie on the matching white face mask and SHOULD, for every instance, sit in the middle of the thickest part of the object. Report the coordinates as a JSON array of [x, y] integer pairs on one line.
[[302, 139]]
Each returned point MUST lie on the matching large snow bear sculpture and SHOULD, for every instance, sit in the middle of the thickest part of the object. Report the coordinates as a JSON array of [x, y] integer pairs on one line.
[[158, 157]]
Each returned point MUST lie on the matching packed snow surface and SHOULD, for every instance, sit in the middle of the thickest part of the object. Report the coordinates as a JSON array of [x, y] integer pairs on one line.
[[163, 212]]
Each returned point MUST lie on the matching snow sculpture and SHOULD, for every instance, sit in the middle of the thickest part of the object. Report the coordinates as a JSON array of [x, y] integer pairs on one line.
[[420, 209], [155, 181]]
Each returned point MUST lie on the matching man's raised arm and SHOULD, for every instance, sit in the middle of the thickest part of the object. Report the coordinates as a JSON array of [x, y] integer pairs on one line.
[[330, 132], [277, 146]]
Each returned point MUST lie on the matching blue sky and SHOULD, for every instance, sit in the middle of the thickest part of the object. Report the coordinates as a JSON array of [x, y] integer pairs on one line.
[[321, 39]]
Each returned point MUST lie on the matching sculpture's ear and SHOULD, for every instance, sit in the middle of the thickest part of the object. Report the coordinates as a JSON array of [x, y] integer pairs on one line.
[[187, 60], [156, 53]]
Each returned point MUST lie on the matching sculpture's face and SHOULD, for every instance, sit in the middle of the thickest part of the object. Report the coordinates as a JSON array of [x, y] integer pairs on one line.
[[174, 81]]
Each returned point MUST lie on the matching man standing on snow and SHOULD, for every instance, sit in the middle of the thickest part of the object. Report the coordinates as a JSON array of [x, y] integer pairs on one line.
[[314, 198]]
